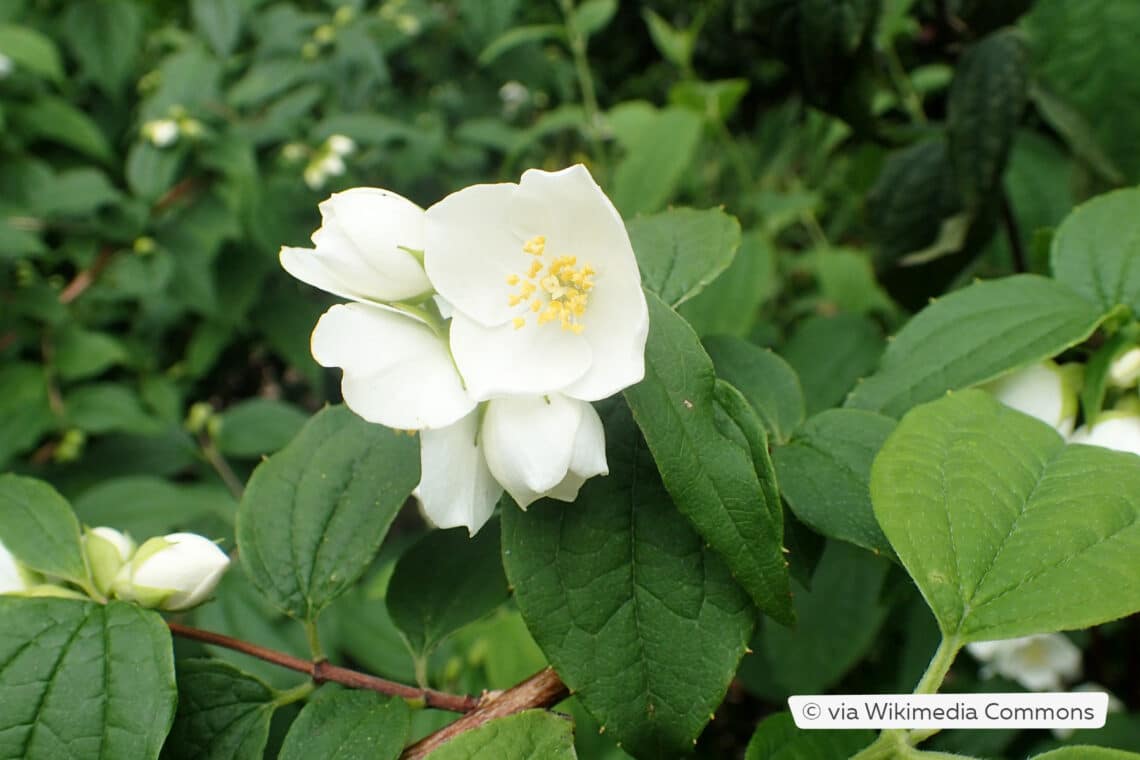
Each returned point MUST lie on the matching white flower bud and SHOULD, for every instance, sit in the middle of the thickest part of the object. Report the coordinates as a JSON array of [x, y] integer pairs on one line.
[[1045, 391], [107, 551], [1039, 663], [161, 132], [1125, 370], [1118, 430], [172, 573], [6, 66], [341, 145], [14, 577]]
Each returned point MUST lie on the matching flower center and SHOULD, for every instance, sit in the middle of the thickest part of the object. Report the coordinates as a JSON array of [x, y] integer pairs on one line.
[[554, 288]]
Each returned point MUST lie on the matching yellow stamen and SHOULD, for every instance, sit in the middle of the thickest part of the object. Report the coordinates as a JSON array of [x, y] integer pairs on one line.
[[512, 279], [561, 288], [518, 322]]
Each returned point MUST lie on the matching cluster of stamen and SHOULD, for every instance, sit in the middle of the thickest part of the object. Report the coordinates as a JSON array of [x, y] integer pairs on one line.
[[558, 291]]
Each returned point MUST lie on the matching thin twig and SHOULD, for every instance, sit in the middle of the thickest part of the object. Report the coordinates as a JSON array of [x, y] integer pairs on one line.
[[221, 466], [543, 689], [87, 277], [322, 671]]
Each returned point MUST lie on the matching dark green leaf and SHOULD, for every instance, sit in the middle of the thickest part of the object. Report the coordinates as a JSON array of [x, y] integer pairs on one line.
[[55, 119], [529, 735], [592, 16], [38, 527], [830, 354], [730, 304], [825, 474], [766, 380], [974, 335], [915, 191], [986, 101], [79, 679], [151, 171], [641, 621], [726, 487], [31, 50], [24, 411], [348, 725], [106, 37], [680, 251], [257, 426], [1021, 534], [314, 514], [777, 738], [148, 506], [520, 35], [446, 580], [109, 407], [220, 22], [81, 353], [223, 713]]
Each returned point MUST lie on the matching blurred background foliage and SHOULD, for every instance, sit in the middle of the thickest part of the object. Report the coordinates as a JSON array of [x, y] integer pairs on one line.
[[154, 156]]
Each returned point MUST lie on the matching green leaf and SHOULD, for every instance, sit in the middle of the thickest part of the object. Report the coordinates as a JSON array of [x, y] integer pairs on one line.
[[151, 170], [109, 407], [915, 191], [682, 250], [106, 38], [529, 735], [730, 304], [727, 489], [75, 192], [1077, 133], [257, 426], [974, 335], [38, 527], [79, 679], [147, 506], [1087, 752], [659, 146], [847, 282], [31, 50], [825, 475], [641, 620], [1095, 381], [766, 380], [592, 16], [985, 104], [1096, 250], [55, 119], [314, 514], [220, 22], [520, 35], [444, 581], [777, 738], [676, 45], [265, 79], [830, 354], [25, 414], [1006, 530], [811, 659], [347, 725], [223, 713], [1081, 53], [81, 353]]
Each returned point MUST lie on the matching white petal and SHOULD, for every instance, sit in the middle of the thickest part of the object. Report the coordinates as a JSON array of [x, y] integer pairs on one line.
[[470, 249], [357, 252], [529, 443], [1118, 433], [616, 327], [503, 361], [456, 488], [1040, 392], [588, 458], [984, 651], [1125, 370], [10, 577], [397, 372]]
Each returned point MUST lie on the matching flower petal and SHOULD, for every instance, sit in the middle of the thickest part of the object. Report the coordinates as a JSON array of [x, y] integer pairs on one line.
[[616, 327], [529, 442], [588, 458], [357, 252], [456, 488], [397, 372], [470, 249], [503, 361], [1114, 430]]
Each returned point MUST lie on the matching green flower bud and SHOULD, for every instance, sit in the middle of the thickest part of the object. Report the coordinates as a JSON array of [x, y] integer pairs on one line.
[[107, 551]]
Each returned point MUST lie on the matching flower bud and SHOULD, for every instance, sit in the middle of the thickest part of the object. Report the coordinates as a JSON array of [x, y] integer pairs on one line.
[[14, 577], [1118, 429], [1125, 369], [161, 132], [1045, 391], [107, 551], [172, 573]]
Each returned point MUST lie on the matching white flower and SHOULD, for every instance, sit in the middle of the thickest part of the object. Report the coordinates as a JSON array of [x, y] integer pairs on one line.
[[521, 446], [340, 145], [6, 66], [107, 551], [14, 579], [161, 132], [1119, 430], [172, 573], [324, 164], [544, 285], [1045, 391], [1125, 370], [1039, 663]]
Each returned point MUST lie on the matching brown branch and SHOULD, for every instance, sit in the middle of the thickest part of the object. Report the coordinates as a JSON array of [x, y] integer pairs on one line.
[[543, 689], [322, 671], [87, 277]]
